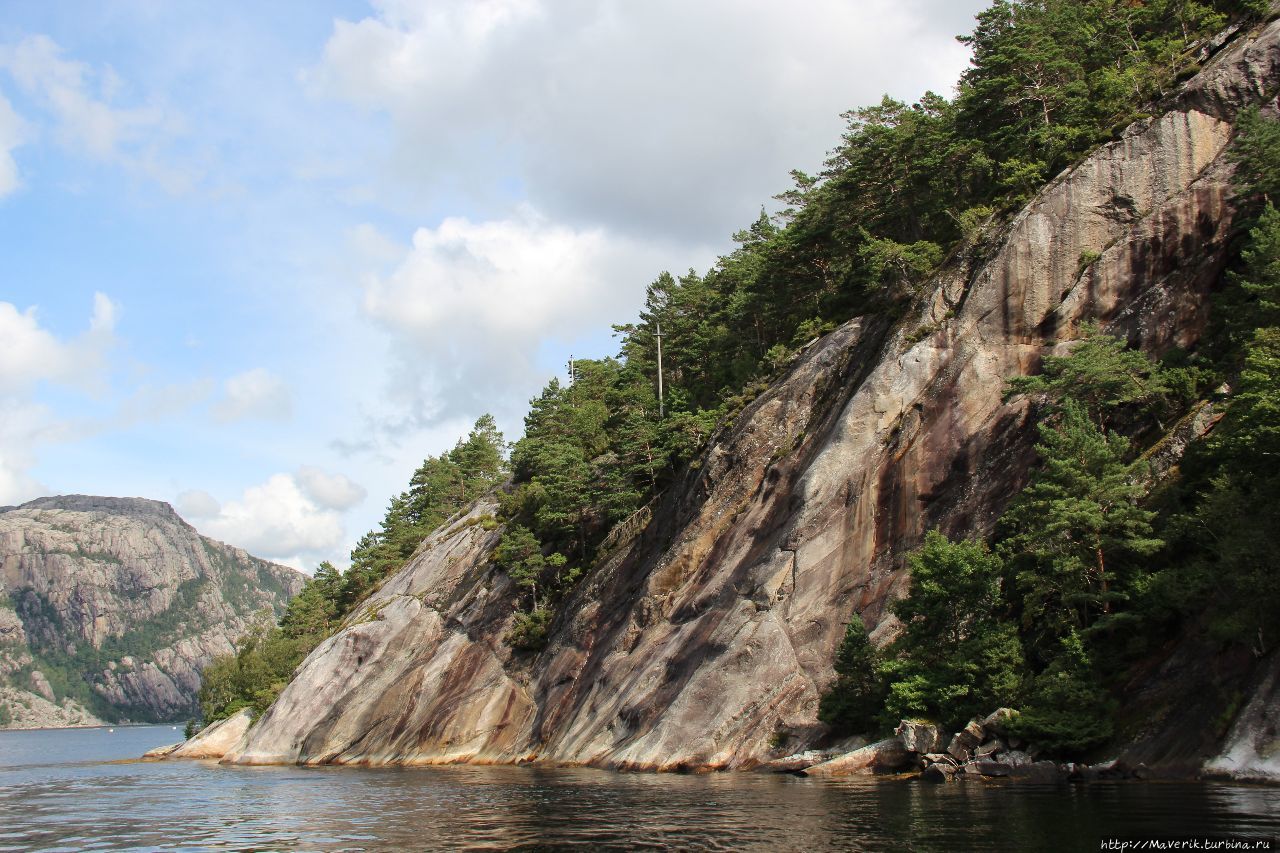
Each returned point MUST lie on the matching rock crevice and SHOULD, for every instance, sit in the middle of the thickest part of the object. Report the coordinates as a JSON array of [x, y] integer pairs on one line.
[[711, 632]]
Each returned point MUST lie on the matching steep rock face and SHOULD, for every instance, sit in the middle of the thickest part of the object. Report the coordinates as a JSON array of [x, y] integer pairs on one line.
[[1252, 749], [706, 640], [125, 591]]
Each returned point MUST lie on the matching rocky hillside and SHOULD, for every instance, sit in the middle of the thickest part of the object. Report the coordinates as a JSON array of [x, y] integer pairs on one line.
[[112, 606], [706, 636]]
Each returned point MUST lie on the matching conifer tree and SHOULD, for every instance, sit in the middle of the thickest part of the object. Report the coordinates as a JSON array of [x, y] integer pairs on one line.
[[853, 703], [1100, 373], [1072, 527], [957, 655]]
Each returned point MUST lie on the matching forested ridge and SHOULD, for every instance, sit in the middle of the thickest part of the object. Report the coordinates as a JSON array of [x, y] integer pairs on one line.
[[1087, 565]]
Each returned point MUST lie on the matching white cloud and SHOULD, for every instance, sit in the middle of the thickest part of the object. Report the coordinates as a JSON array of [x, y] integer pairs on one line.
[[12, 134], [23, 426], [593, 145], [277, 520], [80, 101], [471, 302], [331, 491], [664, 117], [196, 505], [31, 353], [256, 393]]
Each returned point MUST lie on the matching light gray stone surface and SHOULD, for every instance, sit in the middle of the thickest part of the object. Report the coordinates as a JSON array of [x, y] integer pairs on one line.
[[715, 627]]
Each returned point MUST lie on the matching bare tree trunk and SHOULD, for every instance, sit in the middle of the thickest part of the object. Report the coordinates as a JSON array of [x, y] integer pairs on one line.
[[1102, 580]]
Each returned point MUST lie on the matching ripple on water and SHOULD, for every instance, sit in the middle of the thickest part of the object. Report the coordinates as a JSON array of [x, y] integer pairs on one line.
[[51, 798]]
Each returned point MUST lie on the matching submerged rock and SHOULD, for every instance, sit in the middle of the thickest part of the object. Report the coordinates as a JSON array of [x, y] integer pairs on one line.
[[1038, 771], [993, 768]]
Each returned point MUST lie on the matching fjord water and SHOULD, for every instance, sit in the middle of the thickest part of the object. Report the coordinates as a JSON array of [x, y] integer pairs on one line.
[[77, 790]]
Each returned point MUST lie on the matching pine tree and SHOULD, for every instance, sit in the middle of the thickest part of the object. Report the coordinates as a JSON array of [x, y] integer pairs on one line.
[[1100, 373], [1066, 711], [1240, 516], [1072, 527], [1257, 302], [957, 655], [853, 703], [1256, 151]]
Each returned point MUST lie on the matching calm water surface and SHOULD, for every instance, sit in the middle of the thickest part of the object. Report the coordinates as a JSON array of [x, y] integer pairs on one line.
[[65, 790]]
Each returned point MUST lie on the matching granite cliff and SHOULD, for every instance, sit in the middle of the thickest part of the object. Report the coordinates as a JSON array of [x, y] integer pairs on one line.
[[704, 638], [112, 606]]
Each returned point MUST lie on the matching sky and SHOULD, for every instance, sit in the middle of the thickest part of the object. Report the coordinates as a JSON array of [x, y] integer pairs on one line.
[[259, 260]]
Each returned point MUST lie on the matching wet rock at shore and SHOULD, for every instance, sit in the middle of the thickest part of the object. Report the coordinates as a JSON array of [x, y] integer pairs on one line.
[[163, 751], [920, 737], [885, 756], [215, 741]]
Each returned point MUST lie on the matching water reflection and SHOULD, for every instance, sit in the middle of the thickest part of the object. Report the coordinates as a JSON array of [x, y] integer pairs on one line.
[[55, 796]]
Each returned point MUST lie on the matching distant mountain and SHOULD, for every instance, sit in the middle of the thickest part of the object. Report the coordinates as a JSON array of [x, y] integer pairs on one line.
[[111, 607]]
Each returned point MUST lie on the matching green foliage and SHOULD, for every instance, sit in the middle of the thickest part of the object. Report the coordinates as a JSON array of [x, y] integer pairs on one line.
[[1249, 441], [898, 266], [853, 703], [266, 657], [253, 677], [1254, 301], [1230, 533], [1256, 152], [529, 632], [440, 488], [520, 554], [1101, 374], [6, 716], [1049, 79], [1070, 530], [957, 655], [1066, 710]]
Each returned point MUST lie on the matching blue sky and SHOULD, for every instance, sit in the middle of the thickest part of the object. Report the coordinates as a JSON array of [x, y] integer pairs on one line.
[[258, 260]]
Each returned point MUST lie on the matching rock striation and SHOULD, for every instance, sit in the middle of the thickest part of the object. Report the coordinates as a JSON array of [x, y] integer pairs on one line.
[[705, 640], [116, 605], [215, 741]]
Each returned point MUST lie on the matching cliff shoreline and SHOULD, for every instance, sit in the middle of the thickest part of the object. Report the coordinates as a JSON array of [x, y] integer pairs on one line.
[[706, 640]]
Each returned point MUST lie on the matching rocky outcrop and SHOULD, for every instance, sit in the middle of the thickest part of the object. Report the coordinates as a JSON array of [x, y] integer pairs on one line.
[[1252, 749], [121, 594], [705, 640], [885, 756], [28, 709], [214, 741]]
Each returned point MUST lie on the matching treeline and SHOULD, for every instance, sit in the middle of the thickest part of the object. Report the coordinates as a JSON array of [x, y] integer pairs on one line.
[[1095, 562], [908, 184], [266, 657]]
